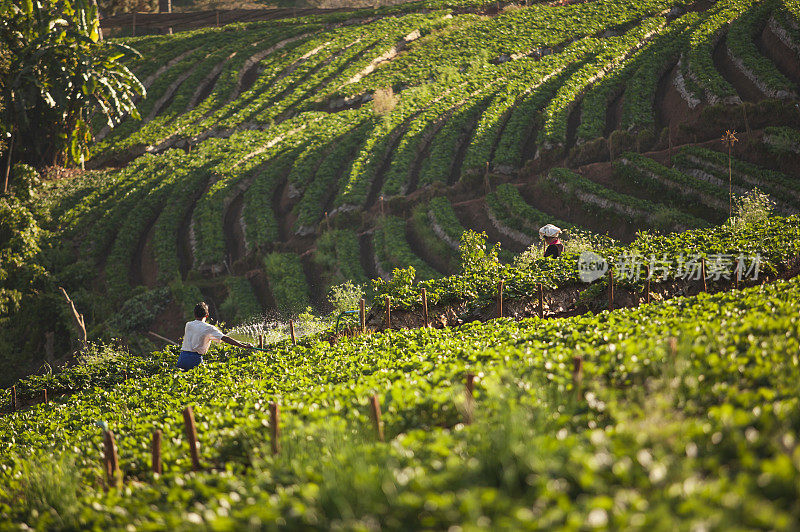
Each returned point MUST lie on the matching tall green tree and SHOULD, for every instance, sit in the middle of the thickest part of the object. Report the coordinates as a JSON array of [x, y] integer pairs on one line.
[[59, 73]]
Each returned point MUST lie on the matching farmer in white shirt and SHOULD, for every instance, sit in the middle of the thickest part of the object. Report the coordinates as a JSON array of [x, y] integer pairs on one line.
[[197, 338]]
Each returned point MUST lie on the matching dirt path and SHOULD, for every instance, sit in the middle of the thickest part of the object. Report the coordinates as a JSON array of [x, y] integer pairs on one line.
[[786, 60], [235, 246], [366, 249], [258, 281], [743, 86], [614, 114], [143, 268]]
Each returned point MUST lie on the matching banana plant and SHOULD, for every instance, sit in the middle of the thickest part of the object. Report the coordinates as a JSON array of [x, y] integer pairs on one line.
[[60, 72]]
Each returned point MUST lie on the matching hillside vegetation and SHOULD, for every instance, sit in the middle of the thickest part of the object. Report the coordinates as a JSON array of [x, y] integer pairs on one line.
[[684, 414], [274, 160]]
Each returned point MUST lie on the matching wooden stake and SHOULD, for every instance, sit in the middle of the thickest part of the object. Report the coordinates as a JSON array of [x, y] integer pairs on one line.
[[291, 332], [14, 405], [275, 427], [113, 474], [647, 286], [217, 18], [541, 301], [375, 410], [388, 318], [191, 435], [46, 401], [155, 456], [425, 307], [577, 373], [703, 273], [362, 315], [610, 289], [500, 298], [261, 341]]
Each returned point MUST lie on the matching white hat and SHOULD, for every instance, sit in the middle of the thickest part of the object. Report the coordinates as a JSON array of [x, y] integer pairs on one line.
[[549, 231]]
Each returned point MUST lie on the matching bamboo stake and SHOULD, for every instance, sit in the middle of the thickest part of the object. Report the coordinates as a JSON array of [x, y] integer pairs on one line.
[[275, 427], [217, 11], [191, 435], [577, 374], [362, 315], [113, 474], [155, 456], [425, 307], [610, 289], [261, 341], [500, 298], [291, 332], [46, 400], [703, 273], [375, 410], [541, 301], [388, 318], [14, 405], [647, 286]]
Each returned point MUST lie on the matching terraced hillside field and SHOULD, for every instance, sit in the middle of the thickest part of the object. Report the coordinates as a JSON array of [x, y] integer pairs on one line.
[[276, 159]]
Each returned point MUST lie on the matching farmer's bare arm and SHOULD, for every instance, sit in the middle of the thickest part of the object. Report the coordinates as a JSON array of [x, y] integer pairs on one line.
[[231, 341]]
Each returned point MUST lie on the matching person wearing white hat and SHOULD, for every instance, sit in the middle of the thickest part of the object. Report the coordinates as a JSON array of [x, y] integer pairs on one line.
[[549, 233]]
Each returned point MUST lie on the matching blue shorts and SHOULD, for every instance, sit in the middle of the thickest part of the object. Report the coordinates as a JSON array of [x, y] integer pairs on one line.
[[188, 360]]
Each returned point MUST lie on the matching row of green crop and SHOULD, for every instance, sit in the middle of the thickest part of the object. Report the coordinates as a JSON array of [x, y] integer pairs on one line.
[[507, 206], [528, 76], [513, 33], [444, 221], [535, 458], [782, 141], [742, 49], [638, 77], [287, 282], [176, 87], [322, 190], [699, 69], [319, 77], [603, 202], [611, 52], [241, 304], [774, 241], [743, 174], [338, 257], [393, 251], [249, 151], [669, 184]]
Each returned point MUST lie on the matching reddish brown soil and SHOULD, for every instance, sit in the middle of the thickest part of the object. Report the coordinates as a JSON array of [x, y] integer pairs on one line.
[[258, 280], [234, 233], [784, 58], [367, 255], [472, 214], [746, 90], [143, 269], [671, 109], [576, 213]]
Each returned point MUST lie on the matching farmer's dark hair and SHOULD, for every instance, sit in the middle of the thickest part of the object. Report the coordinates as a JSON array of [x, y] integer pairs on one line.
[[201, 310]]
